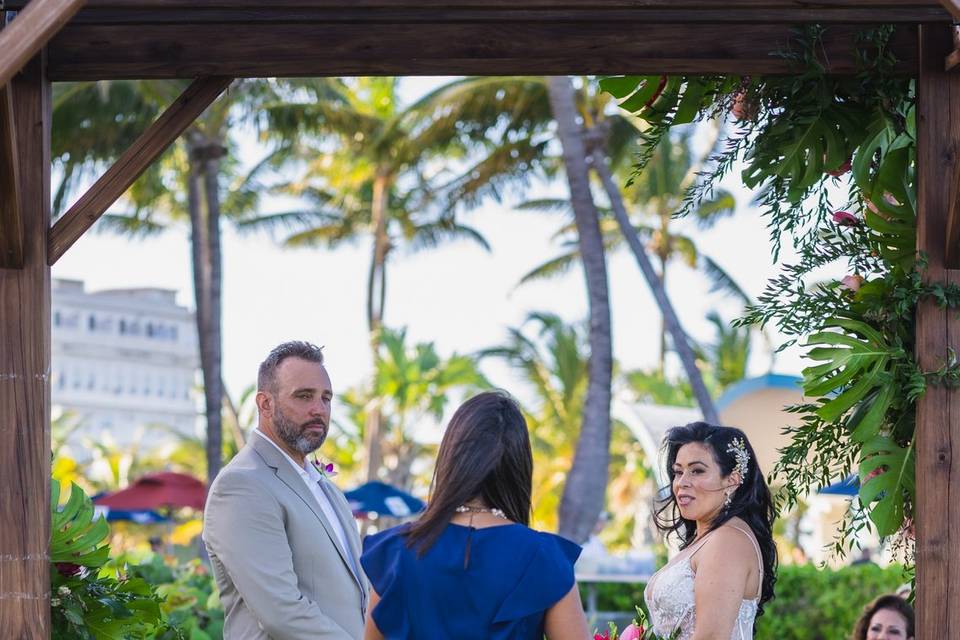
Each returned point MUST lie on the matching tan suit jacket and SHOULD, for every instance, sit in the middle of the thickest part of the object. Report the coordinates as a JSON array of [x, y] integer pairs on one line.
[[281, 572]]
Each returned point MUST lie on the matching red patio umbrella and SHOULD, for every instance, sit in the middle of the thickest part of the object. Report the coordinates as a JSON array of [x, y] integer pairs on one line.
[[156, 490]]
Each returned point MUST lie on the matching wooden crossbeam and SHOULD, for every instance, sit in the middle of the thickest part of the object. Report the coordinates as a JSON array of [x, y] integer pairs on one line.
[[825, 6], [953, 6], [135, 160], [11, 223], [502, 47], [32, 28]]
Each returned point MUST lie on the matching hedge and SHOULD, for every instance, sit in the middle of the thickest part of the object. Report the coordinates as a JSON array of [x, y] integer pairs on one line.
[[810, 603]]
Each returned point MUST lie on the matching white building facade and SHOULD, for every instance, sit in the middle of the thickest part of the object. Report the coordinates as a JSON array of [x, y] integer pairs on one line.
[[123, 360]]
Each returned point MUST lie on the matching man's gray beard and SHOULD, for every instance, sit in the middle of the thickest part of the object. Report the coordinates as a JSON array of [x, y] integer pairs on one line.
[[292, 434]]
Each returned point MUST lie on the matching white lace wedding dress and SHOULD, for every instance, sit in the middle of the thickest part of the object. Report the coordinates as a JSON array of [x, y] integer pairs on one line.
[[670, 601]]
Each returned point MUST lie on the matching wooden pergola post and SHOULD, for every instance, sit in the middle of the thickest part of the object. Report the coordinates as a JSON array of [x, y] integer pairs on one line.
[[25, 376], [938, 330]]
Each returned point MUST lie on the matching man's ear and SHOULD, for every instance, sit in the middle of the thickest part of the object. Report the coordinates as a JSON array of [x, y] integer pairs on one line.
[[264, 402]]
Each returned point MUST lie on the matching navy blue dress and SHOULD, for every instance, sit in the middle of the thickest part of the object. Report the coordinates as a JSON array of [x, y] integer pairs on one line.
[[513, 576]]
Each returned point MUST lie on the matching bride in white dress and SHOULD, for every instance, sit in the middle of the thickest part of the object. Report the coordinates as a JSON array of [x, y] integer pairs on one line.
[[720, 508]]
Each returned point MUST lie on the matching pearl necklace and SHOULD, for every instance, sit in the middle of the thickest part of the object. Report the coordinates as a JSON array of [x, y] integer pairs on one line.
[[471, 510]]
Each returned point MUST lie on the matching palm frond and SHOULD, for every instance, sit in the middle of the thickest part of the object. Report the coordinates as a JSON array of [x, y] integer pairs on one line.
[[721, 281]]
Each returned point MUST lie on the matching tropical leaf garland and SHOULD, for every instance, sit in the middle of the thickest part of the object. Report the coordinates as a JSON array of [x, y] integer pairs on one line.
[[798, 137]]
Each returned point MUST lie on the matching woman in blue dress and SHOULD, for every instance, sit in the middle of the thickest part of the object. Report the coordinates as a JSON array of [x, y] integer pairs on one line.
[[470, 567]]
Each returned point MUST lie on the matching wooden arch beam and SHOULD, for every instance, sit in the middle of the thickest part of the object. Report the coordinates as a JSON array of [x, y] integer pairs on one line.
[[39, 21], [11, 223], [135, 160]]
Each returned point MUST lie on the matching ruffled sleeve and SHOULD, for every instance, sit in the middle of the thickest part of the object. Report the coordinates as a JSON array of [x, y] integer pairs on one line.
[[382, 561], [546, 579]]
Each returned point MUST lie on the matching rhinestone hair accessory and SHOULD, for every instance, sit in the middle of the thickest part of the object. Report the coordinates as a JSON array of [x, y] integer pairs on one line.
[[738, 449]]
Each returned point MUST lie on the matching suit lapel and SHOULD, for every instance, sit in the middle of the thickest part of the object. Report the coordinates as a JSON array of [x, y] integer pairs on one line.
[[345, 515], [284, 470]]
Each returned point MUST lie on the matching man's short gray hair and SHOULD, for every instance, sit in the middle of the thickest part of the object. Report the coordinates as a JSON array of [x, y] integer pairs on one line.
[[267, 374]]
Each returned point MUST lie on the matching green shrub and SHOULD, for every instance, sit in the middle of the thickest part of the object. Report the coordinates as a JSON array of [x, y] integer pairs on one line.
[[191, 601], [88, 600], [810, 603], [813, 604]]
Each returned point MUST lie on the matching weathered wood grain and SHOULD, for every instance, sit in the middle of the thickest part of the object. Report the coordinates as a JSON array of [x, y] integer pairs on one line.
[[84, 52], [25, 380], [493, 5], [938, 331], [134, 161], [33, 28], [11, 226]]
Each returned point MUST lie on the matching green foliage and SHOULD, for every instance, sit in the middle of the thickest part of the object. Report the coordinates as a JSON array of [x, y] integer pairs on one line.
[[799, 136], [75, 535], [87, 603], [811, 603], [820, 604], [191, 602]]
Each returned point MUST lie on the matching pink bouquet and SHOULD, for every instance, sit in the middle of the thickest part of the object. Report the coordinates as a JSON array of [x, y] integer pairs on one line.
[[639, 629]]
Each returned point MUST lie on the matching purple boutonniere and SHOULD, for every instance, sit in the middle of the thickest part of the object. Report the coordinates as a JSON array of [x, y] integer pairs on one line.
[[327, 470]]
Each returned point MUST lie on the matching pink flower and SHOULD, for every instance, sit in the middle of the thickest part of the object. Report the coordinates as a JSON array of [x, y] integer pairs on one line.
[[602, 636], [845, 219], [741, 109], [632, 632], [851, 283], [68, 569]]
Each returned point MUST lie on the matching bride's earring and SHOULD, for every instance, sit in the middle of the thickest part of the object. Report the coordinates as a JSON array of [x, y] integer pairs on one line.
[[728, 498]]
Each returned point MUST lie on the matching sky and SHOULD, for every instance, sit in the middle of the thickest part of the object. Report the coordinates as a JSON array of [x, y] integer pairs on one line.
[[458, 296]]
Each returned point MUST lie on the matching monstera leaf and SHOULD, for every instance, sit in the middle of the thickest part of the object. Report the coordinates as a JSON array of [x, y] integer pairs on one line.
[[76, 536], [799, 148], [853, 368], [887, 477]]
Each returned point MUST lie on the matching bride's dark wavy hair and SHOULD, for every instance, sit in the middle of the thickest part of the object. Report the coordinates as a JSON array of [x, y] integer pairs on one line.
[[751, 502]]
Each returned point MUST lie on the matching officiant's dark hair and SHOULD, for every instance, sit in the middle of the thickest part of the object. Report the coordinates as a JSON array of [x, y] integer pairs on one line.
[[485, 453], [751, 502]]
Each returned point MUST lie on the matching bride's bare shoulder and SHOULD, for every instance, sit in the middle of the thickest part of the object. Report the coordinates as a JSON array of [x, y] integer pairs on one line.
[[731, 541]]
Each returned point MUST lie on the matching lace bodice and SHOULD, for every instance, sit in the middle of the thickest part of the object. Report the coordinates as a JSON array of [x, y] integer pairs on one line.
[[670, 599]]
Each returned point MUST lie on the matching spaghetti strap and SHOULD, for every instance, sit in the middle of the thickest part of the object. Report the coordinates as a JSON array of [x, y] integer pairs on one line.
[[756, 547]]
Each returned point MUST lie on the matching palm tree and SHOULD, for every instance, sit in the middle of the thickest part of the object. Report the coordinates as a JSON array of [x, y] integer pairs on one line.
[[551, 358], [586, 484], [187, 184], [653, 199], [366, 172], [414, 384], [519, 114]]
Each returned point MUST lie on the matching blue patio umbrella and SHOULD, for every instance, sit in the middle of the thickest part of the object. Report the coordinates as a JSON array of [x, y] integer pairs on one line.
[[849, 486], [382, 499], [144, 516]]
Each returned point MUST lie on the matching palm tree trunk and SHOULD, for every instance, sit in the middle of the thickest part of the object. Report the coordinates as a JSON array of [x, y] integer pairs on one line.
[[663, 282], [585, 489], [376, 296], [199, 248], [211, 342], [670, 319]]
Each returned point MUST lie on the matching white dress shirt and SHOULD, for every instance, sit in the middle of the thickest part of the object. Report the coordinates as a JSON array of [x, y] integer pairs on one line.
[[312, 478]]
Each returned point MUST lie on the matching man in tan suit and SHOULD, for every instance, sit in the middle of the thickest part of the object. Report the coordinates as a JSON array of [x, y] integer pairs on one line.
[[282, 540]]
